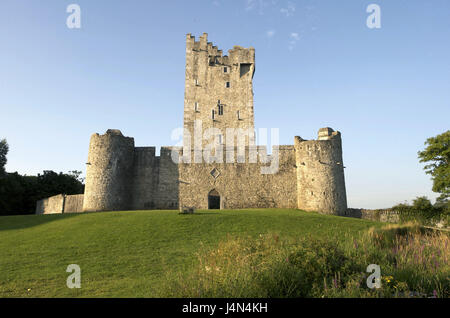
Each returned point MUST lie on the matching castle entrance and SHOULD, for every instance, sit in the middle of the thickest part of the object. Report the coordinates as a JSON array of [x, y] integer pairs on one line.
[[213, 200]]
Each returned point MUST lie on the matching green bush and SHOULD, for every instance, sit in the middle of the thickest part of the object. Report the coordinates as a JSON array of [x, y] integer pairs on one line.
[[421, 211], [414, 262], [265, 267]]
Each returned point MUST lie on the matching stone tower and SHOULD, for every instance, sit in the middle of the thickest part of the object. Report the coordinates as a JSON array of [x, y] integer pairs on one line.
[[320, 173], [109, 172], [218, 90]]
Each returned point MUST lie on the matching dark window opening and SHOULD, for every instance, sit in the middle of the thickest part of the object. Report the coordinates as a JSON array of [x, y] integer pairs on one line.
[[228, 85], [244, 69], [213, 60]]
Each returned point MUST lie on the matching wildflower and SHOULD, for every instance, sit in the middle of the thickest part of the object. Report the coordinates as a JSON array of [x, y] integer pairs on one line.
[[436, 264], [207, 268], [335, 283], [29, 289]]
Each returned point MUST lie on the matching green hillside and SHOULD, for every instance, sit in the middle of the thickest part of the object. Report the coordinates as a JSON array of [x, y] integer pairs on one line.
[[126, 254]]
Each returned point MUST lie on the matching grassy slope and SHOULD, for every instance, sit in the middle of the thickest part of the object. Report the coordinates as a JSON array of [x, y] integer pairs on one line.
[[125, 254]]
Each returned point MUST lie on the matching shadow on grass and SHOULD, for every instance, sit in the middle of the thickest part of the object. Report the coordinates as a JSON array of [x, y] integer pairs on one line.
[[200, 213], [15, 222]]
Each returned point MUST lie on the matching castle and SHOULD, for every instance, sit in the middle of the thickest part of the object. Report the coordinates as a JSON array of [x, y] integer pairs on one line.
[[222, 169]]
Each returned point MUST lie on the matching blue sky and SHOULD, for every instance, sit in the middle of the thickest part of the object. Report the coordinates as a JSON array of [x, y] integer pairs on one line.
[[317, 65]]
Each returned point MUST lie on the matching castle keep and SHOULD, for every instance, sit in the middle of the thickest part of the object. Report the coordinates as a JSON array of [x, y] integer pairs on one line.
[[218, 101]]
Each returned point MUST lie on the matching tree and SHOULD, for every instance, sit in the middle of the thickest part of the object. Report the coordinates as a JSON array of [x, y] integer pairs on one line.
[[18, 194], [423, 204], [76, 175], [4, 148], [52, 183], [437, 157]]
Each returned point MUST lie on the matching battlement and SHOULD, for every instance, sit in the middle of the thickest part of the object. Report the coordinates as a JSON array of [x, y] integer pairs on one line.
[[145, 153], [144, 156], [257, 148], [247, 154], [113, 134], [237, 54], [201, 45], [326, 133], [241, 55]]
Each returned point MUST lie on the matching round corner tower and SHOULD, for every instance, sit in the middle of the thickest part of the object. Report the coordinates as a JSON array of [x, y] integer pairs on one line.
[[109, 172], [320, 173]]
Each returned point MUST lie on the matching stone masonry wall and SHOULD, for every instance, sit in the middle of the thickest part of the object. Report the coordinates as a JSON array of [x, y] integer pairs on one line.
[[155, 180], [320, 173], [241, 185], [384, 215], [60, 204], [159, 183], [167, 188], [109, 172], [145, 178], [122, 177], [210, 78], [73, 203], [51, 205]]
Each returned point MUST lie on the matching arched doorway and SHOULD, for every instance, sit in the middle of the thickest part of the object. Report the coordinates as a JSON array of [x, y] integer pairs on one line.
[[213, 200]]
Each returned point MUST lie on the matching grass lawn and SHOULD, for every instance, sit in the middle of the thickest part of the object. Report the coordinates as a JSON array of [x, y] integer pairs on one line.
[[126, 254]]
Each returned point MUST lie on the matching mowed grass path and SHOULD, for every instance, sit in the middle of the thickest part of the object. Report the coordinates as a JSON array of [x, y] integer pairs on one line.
[[126, 254]]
